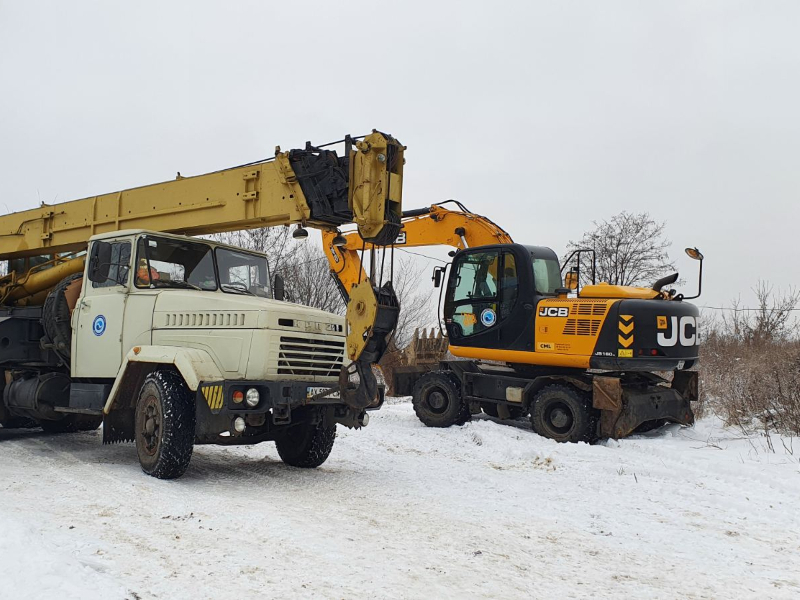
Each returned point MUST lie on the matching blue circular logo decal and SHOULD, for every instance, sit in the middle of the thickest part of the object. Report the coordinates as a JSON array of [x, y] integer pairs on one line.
[[488, 317], [99, 325]]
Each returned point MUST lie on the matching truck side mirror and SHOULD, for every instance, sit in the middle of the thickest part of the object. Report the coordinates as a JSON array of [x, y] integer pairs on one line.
[[100, 262], [279, 288]]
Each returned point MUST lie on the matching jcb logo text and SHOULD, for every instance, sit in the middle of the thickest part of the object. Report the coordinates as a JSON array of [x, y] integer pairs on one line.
[[552, 311], [683, 331]]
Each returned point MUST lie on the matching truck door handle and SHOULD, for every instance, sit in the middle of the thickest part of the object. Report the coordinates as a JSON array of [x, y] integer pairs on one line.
[[85, 304], [527, 306]]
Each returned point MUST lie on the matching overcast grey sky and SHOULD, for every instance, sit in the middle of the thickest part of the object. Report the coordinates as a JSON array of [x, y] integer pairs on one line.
[[542, 115]]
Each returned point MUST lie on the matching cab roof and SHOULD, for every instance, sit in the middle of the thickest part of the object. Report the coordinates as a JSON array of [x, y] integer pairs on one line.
[[172, 236]]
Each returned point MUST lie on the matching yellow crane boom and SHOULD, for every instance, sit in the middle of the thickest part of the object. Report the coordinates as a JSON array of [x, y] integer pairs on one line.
[[312, 187]]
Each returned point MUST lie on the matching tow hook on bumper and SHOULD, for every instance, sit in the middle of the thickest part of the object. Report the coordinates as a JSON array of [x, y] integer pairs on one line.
[[353, 419], [624, 408]]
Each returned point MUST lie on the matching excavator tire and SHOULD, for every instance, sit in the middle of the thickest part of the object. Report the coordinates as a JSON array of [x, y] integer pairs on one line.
[[56, 317], [437, 400], [565, 414], [306, 445], [72, 423], [164, 425]]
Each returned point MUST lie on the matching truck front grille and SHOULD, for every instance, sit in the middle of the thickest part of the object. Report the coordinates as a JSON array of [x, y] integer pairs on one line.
[[309, 356]]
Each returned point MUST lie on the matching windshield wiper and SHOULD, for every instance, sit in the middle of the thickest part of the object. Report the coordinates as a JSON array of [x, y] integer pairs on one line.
[[175, 284], [236, 289]]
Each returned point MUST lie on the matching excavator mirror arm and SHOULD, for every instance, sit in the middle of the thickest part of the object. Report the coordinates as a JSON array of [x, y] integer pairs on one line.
[[438, 271]]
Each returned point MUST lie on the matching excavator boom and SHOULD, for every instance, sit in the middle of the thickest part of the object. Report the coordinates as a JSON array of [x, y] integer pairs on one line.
[[431, 226]]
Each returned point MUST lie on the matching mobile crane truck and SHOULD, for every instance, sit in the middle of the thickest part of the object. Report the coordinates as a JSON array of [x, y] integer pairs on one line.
[[583, 362], [110, 313]]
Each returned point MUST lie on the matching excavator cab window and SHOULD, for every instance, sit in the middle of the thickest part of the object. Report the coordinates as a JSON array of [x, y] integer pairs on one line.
[[482, 290], [546, 275]]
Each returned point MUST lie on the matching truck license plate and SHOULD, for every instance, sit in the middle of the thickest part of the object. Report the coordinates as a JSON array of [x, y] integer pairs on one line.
[[313, 391]]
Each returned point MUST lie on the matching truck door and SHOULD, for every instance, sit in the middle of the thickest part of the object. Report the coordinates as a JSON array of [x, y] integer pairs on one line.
[[97, 318]]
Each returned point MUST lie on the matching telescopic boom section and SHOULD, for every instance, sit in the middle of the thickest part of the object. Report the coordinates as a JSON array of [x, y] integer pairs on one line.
[[312, 186]]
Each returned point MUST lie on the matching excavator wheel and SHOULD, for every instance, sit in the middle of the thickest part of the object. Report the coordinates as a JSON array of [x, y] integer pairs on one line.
[[563, 413], [437, 400], [57, 311]]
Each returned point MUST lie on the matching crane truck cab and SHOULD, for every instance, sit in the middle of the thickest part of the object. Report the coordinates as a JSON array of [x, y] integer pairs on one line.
[[172, 341]]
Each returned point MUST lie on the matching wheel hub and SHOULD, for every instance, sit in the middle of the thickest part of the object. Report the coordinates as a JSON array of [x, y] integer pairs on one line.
[[560, 418], [151, 425], [437, 400]]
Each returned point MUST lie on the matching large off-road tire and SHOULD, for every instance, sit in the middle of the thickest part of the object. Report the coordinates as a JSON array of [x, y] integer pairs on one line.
[[437, 400], [72, 423], [565, 414], [56, 315], [490, 408], [164, 424], [306, 445]]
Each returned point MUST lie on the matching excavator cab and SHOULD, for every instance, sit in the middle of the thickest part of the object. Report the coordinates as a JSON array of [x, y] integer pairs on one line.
[[492, 293]]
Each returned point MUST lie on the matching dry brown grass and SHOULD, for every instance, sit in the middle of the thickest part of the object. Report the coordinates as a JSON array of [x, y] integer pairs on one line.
[[752, 383]]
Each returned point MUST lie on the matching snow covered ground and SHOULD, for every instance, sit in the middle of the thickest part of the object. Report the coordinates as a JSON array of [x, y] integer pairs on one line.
[[403, 511]]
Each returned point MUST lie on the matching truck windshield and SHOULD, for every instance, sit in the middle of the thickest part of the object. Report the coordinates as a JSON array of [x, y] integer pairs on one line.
[[164, 262], [243, 273]]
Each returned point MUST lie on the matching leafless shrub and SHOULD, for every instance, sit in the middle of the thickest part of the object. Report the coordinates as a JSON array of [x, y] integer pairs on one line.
[[750, 364]]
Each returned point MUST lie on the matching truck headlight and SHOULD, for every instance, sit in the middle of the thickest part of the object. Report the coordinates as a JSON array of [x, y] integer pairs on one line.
[[252, 398]]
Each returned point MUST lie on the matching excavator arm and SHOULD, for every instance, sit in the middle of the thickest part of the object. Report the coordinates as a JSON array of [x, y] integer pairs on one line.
[[431, 226], [312, 187]]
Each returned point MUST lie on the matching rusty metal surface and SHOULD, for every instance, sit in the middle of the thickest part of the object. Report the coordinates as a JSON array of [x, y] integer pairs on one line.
[[624, 408]]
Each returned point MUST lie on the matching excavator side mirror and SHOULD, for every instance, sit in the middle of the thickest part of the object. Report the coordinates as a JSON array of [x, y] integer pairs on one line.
[[279, 288], [437, 276], [571, 280], [100, 262]]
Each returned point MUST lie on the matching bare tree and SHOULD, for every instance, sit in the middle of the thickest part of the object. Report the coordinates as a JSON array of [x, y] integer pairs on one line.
[[308, 279], [275, 242], [631, 249], [770, 321]]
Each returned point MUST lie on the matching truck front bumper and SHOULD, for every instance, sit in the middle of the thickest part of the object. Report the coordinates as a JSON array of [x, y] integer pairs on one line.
[[220, 403]]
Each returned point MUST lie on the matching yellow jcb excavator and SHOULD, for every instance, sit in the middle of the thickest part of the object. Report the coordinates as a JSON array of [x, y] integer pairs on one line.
[[585, 362]]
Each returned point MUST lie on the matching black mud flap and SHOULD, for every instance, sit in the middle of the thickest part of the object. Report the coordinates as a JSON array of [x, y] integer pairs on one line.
[[118, 426], [623, 408]]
